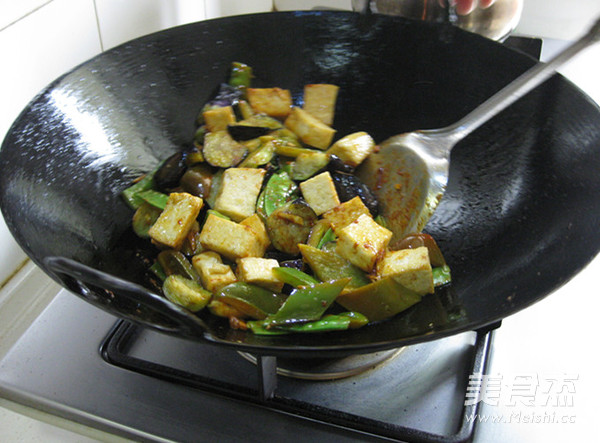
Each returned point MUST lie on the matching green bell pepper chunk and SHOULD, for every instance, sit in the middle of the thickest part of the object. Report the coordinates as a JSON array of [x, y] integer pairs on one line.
[[441, 275], [174, 262], [379, 300], [155, 198], [278, 191], [307, 303], [130, 194], [329, 236], [240, 75], [252, 300], [328, 323], [294, 277]]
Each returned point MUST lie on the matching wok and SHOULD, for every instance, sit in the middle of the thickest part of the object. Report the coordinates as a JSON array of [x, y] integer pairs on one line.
[[519, 219]]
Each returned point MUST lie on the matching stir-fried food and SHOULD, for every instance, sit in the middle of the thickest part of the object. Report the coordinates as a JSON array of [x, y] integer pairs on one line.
[[264, 223]]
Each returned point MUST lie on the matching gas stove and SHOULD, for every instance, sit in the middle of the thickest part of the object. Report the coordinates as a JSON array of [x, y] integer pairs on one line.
[[529, 379]]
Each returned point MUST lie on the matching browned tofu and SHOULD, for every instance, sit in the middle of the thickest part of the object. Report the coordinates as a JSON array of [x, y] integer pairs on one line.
[[217, 119], [259, 271], [319, 192], [214, 274], [230, 239], [257, 225], [275, 102], [354, 148], [363, 242], [343, 214], [238, 192], [309, 129], [176, 220], [409, 267], [319, 101]]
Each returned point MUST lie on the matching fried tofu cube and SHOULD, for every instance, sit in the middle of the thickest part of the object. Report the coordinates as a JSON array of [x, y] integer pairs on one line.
[[176, 220], [217, 119], [319, 101], [362, 242], [257, 225], [238, 192], [259, 271], [345, 213], [309, 129], [319, 192], [214, 274], [275, 102], [409, 267], [354, 148], [230, 239]]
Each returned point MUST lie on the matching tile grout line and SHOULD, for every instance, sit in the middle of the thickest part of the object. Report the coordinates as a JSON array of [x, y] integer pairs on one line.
[[26, 15]]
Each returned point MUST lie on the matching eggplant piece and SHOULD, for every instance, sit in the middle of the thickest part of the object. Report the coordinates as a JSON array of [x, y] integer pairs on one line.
[[242, 132], [261, 155], [222, 151], [227, 95], [143, 219], [308, 164], [349, 186], [171, 171], [337, 165], [290, 225], [197, 180]]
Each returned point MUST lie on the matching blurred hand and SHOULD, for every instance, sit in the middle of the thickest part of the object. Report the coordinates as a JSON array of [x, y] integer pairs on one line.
[[464, 7]]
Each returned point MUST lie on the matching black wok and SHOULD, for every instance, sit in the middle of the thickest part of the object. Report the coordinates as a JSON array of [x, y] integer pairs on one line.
[[519, 219]]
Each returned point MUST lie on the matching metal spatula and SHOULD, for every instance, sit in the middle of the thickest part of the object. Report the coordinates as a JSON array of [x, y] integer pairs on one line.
[[410, 172]]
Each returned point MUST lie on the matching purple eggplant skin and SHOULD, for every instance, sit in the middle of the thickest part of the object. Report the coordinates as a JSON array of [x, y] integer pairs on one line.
[[171, 171], [349, 186], [245, 132]]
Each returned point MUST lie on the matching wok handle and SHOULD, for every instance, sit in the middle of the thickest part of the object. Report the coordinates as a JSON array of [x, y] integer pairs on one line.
[[124, 298]]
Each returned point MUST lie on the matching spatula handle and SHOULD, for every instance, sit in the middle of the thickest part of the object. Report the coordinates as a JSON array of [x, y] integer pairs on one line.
[[521, 86]]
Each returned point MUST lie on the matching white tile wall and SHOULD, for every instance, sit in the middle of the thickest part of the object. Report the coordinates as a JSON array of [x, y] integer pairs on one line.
[[122, 21], [38, 46]]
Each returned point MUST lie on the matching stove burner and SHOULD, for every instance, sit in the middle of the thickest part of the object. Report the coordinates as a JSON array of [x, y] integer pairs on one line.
[[418, 397], [328, 368]]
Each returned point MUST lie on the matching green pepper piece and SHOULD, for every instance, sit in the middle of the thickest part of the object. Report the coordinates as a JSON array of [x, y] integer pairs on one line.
[[185, 292], [240, 76], [157, 270], [143, 219], [130, 195], [278, 191], [379, 300], [294, 277], [329, 236], [441, 275], [155, 198], [328, 265], [357, 320], [174, 262], [258, 328], [328, 323], [308, 303], [216, 213], [252, 300]]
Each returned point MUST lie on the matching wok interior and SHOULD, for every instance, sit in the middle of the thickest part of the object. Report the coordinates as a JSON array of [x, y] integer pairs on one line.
[[518, 220]]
